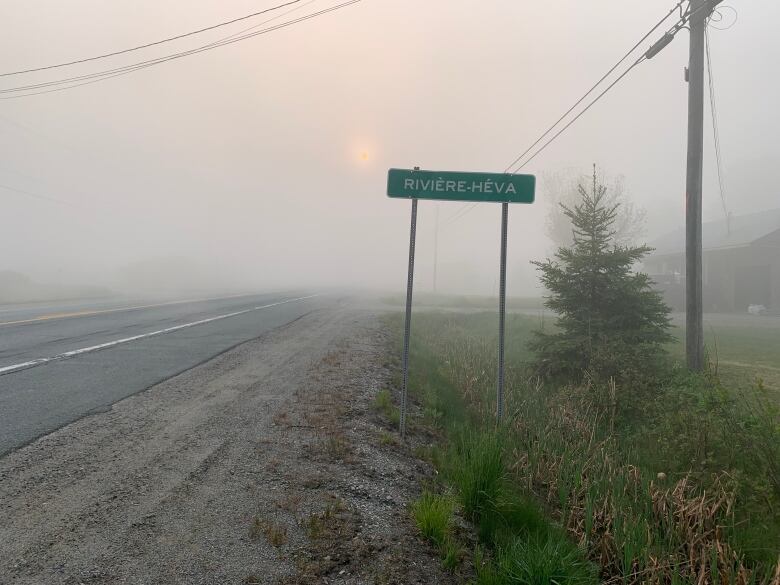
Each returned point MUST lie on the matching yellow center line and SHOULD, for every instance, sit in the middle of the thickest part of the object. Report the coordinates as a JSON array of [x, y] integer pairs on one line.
[[115, 310]]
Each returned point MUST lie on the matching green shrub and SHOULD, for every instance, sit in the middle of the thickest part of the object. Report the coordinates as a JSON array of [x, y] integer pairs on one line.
[[488, 574], [433, 515], [450, 553], [542, 560], [635, 475], [476, 467], [511, 514], [384, 404]]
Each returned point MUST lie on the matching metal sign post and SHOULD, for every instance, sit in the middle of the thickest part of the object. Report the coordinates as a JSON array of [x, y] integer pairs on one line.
[[457, 186], [408, 323], [502, 315]]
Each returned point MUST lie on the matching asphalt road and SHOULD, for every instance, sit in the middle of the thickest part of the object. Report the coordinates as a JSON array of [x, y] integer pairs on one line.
[[61, 362]]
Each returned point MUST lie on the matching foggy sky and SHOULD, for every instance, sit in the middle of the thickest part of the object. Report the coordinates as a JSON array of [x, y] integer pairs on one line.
[[247, 162]]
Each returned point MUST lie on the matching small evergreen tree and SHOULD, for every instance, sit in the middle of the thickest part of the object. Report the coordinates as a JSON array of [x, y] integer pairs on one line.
[[611, 323]]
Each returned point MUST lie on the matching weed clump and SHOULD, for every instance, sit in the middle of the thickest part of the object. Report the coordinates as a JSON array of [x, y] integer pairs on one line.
[[674, 484], [327, 522], [275, 533], [433, 515], [541, 560], [337, 447], [386, 439], [477, 469], [384, 404]]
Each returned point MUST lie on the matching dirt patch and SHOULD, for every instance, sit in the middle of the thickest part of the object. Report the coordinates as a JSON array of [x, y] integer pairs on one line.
[[267, 464]]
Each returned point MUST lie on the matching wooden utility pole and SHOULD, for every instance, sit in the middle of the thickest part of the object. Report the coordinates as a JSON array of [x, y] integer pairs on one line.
[[700, 10]]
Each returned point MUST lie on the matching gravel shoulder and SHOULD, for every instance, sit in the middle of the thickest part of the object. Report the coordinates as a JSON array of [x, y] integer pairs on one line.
[[266, 464]]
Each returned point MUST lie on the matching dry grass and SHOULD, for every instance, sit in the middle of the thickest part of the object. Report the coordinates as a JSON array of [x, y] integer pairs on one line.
[[333, 359], [565, 446], [328, 522], [640, 530], [291, 503], [335, 446], [388, 440], [275, 533]]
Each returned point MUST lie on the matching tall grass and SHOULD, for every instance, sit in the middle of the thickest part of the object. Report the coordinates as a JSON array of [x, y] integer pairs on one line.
[[477, 468], [433, 514], [526, 546], [653, 497]]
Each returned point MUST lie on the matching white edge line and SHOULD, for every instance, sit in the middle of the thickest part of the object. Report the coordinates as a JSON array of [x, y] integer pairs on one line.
[[90, 349], [111, 309]]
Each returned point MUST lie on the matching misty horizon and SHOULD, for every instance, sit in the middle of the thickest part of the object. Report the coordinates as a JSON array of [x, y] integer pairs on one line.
[[263, 164]]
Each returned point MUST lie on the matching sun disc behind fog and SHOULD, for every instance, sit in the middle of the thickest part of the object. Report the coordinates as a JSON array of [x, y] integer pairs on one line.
[[362, 153]]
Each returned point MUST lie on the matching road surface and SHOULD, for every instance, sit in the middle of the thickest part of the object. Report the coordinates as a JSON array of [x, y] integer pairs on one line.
[[61, 362]]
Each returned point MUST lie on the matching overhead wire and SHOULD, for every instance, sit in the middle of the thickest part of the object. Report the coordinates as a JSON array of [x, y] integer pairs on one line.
[[152, 44], [78, 81], [582, 113], [259, 24], [514, 164], [715, 126], [719, 13], [566, 127], [668, 37], [463, 210], [109, 73], [38, 196], [596, 85]]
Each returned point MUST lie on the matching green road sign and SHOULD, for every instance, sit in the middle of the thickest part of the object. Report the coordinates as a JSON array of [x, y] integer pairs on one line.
[[453, 186]]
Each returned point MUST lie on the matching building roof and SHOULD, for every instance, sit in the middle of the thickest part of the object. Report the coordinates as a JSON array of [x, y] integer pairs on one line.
[[740, 231]]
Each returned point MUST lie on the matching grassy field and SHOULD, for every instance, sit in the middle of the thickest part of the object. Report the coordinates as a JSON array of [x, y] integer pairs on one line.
[[740, 352], [444, 301], [674, 485]]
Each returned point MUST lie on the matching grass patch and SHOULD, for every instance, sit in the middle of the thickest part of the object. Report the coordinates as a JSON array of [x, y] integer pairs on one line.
[[326, 524], [467, 301], [433, 515], [275, 533], [384, 404], [387, 440], [542, 560], [740, 353], [337, 447], [476, 467], [669, 483]]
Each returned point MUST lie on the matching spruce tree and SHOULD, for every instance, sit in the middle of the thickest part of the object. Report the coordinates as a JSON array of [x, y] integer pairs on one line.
[[611, 323]]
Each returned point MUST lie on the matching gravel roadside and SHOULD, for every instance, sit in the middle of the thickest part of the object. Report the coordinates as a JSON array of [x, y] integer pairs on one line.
[[263, 465]]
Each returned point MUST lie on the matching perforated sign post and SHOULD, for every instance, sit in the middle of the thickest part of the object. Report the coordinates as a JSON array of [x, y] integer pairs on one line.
[[456, 186]]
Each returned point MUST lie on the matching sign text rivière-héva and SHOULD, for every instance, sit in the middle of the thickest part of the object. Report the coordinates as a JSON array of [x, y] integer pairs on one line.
[[457, 186]]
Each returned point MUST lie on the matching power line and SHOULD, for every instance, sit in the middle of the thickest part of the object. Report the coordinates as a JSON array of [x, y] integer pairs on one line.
[[259, 24], [649, 54], [78, 81], [583, 112], [463, 210], [38, 196], [654, 50], [109, 73], [715, 126], [596, 85], [152, 44], [721, 17]]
